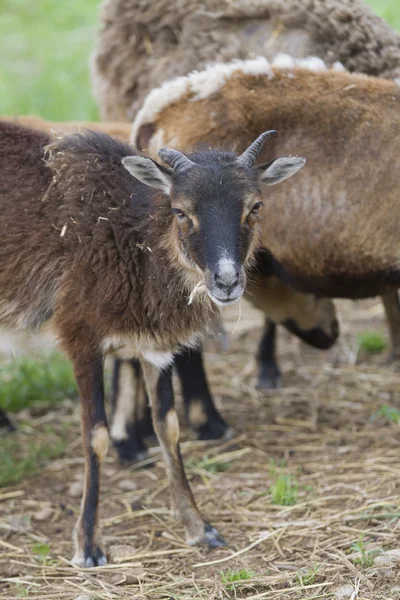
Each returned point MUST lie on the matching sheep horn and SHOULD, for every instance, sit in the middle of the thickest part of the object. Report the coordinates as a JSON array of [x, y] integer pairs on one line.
[[249, 156], [176, 160]]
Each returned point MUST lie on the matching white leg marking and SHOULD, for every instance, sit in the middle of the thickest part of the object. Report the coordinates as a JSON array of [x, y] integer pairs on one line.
[[161, 360], [125, 404]]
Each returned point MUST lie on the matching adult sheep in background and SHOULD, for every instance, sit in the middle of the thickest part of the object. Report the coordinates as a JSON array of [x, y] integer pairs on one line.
[[142, 43], [348, 127]]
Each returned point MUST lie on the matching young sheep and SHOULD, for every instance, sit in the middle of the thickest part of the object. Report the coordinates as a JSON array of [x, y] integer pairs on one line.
[[104, 249], [327, 236], [311, 319], [142, 43]]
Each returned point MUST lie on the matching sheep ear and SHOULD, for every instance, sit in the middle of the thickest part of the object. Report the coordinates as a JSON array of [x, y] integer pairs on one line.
[[279, 169], [149, 172]]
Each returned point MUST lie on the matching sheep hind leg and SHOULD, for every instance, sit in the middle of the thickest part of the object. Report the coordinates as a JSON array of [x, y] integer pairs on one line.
[[166, 425], [200, 409], [131, 420], [89, 377], [269, 375], [391, 305]]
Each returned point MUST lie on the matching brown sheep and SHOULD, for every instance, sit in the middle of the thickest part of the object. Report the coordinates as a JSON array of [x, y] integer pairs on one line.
[[104, 249], [142, 43], [312, 319], [326, 236]]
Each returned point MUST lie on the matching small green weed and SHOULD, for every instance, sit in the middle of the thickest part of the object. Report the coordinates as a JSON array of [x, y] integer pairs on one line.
[[41, 551], [367, 558], [19, 459], [25, 380], [372, 342], [308, 577], [22, 590], [284, 487], [390, 413], [211, 465], [229, 578]]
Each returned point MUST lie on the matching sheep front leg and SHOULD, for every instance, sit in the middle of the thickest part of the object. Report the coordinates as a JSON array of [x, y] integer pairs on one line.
[[200, 409], [269, 375], [166, 426], [392, 310], [89, 377]]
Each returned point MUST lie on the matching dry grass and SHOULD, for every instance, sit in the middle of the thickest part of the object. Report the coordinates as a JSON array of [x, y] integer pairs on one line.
[[327, 429]]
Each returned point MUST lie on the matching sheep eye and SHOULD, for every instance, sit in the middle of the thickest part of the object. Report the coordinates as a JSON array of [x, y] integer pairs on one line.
[[179, 214], [256, 207]]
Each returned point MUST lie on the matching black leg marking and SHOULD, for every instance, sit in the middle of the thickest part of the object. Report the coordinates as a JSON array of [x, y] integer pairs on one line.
[[200, 409], [269, 375], [89, 377]]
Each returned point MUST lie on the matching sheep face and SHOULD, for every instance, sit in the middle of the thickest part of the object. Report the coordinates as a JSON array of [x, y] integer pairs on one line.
[[215, 198], [215, 206]]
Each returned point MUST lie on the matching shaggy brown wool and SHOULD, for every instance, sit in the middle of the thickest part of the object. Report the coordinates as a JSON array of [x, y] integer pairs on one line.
[[120, 131], [142, 43]]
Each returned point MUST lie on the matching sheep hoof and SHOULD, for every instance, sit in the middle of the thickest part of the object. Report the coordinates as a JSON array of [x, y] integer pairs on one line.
[[209, 537], [269, 382], [269, 377], [91, 557], [214, 429], [130, 452], [212, 537]]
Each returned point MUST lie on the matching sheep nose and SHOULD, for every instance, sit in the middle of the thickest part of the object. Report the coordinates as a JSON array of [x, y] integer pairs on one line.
[[227, 280]]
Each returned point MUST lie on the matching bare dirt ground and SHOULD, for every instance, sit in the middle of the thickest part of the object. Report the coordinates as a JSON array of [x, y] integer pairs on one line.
[[325, 426]]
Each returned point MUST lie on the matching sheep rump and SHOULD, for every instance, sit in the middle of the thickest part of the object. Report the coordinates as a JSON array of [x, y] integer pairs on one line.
[[142, 43]]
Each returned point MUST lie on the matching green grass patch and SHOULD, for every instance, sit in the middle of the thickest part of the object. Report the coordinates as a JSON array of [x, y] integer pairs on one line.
[[390, 413], [284, 487], [20, 458], [307, 576], [22, 591], [44, 59], [42, 552], [372, 342], [24, 381], [211, 465], [366, 560], [230, 578]]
